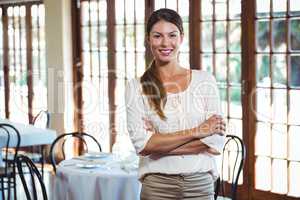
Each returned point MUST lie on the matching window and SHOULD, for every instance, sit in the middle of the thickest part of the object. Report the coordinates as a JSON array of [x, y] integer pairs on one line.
[[221, 55], [277, 91], [23, 56]]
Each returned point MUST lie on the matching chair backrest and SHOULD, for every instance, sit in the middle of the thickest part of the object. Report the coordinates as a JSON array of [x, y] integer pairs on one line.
[[42, 119], [23, 162], [233, 145], [13, 139], [60, 142]]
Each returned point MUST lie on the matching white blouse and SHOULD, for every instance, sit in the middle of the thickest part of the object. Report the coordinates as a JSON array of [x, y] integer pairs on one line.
[[183, 110]]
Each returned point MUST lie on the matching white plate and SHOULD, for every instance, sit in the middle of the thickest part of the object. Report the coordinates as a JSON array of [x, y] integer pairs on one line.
[[87, 166], [96, 155]]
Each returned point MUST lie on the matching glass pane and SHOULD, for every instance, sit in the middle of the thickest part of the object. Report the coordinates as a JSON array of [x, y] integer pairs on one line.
[[93, 12], [185, 45], [263, 112], [263, 173], [295, 71], [234, 36], [171, 5], [85, 32], [279, 176], [295, 30], [279, 35], [234, 9], [130, 65], [221, 69], [130, 11], [263, 139], [221, 36], [279, 8], [294, 138], [120, 64], [262, 36], [120, 34], [130, 38], [221, 9], [159, 4], [94, 38], [84, 13], [279, 71], [102, 12], [183, 9], [119, 5], [103, 38], [294, 7], [294, 179], [141, 64], [279, 106], [235, 127], [103, 63], [223, 97], [263, 8], [235, 102], [207, 63], [263, 71], [140, 11], [206, 37], [140, 37], [235, 69], [279, 141], [206, 9], [294, 114], [184, 59]]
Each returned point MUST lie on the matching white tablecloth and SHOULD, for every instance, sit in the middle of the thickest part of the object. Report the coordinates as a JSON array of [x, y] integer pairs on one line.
[[106, 182], [30, 136]]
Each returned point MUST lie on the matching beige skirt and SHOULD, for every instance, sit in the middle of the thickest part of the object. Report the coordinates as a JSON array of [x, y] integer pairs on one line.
[[158, 186]]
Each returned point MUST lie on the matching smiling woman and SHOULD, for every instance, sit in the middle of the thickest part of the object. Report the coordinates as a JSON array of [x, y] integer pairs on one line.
[[173, 118]]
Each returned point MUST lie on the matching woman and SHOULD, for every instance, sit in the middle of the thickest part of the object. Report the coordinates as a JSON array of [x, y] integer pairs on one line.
[[173, 119]]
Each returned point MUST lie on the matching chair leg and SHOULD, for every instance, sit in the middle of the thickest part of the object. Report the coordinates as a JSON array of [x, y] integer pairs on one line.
[[2, 188], [42, 160]]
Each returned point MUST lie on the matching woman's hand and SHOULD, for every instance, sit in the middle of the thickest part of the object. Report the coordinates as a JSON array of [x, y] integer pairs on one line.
[[213, 125], [148, 125]]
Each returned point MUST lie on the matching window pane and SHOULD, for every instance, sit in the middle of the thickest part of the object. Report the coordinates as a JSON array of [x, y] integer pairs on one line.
[[235, 9], [206, 9], [262, 36], [279, 106], [263, 139], [207, 62], [220, 36], [279, 35], [221, 69], [279, 141], [263, 173], [295, 29], [295, 71], [294, 114], [279, 7], [235, 36], [223, 96], [262, 8], [206, 40], [263, 71], [294, 179], [279, 71], [279, 176], [294, 138], [263, 98], [235, 102], [235, 69], [221, 9], [294, 7]]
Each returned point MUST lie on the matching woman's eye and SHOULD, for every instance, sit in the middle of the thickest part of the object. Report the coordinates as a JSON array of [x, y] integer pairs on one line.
[[173, 35], [156, 36]]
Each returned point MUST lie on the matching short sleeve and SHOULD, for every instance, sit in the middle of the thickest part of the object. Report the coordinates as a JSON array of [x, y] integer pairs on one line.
[[136, 111], [211, 96]]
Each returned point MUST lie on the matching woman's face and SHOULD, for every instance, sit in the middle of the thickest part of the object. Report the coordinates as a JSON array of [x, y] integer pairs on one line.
[[165, 40]]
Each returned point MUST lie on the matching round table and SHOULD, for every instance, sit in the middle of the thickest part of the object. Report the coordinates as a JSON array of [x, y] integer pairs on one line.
[[107, 181]]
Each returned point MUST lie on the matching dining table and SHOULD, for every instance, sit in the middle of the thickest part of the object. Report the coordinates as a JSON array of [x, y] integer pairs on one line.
[[97, 176], [29, 135]]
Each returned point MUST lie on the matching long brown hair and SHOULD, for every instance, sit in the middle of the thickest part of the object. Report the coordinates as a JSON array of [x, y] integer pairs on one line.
[[151, 83]]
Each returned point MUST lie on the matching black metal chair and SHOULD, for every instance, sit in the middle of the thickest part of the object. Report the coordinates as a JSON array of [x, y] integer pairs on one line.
[[235, 145], [32, 193], [36, 153], [8, 171], [60, 141]]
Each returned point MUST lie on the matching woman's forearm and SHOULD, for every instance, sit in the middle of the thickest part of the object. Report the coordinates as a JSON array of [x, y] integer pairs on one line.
[[190, 148]]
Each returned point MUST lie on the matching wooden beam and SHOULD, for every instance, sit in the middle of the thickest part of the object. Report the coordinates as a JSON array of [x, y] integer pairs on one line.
[[111, 45], [149, 8], [195, 34], [248, 91], [5, 59]]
